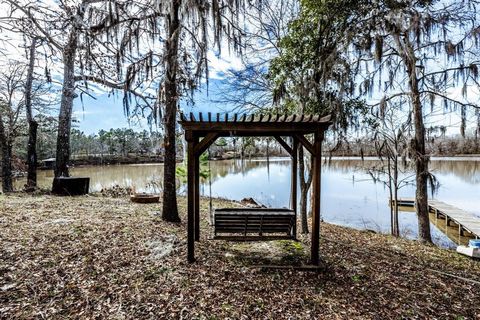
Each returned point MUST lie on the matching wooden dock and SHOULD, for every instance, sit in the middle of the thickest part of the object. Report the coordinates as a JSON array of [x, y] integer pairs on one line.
[[466, 221]]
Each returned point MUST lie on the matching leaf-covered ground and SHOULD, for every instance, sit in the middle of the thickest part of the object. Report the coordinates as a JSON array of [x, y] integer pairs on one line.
[[99, 257]]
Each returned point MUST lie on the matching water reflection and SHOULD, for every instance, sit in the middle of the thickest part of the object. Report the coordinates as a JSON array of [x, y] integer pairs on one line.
[[349, 197]]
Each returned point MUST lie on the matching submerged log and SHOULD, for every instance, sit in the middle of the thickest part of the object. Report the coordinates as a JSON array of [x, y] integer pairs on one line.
[[70, 186]]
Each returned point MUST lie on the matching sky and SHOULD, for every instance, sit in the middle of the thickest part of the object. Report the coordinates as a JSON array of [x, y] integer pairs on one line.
[[105, 112]]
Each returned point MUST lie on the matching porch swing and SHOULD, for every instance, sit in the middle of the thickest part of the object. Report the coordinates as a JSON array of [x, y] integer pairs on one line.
[[250, 224], [259, 224]]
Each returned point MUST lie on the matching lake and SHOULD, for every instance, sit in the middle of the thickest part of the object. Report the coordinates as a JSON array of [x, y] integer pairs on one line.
[[349, 195]]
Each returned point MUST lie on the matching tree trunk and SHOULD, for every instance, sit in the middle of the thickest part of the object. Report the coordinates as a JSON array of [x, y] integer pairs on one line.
[[32, 156], [420, 157], [421, 171], [393, 202], [6, 149], [396, 186], [304, 186], [32, 124], [66, 106], [170, 210]]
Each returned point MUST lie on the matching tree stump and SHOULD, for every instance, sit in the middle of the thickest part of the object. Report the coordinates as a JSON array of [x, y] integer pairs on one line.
[[70, 186]]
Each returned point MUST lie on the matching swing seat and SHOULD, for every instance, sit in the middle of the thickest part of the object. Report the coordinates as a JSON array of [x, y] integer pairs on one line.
[[254, 224]]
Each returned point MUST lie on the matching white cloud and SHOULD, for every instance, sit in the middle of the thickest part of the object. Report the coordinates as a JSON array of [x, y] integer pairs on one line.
[[218, 66]]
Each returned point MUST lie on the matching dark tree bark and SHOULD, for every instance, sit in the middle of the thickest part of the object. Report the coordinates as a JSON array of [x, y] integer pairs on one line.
[[6, 149], [421, 167], [32, 124], [170, 209], [66, 106]]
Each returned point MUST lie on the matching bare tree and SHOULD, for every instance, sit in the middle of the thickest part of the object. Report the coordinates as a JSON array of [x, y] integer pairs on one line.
[[187, 30], [32, 123], [391, 134], [250, 87], [421, 51], [72, 30], [11, 107]]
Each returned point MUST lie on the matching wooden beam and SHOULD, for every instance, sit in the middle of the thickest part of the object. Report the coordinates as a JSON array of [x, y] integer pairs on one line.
[[317, 170], [206, 142], [252, 126], [196, 198], [284, 145], [290, 267], [294, 183], [190, 201], [301, 138], [252, 238]]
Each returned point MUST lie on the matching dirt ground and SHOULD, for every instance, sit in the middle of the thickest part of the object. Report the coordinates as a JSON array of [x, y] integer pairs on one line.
[[97, 257]]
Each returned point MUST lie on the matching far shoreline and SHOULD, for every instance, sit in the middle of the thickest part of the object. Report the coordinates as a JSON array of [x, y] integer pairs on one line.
[[159, 160]]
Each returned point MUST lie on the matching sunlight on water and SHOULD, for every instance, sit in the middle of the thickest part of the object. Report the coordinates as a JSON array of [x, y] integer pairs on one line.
[[349, 196]]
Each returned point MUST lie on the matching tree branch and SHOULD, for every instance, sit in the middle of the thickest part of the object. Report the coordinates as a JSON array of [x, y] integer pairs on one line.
[[113, 85]]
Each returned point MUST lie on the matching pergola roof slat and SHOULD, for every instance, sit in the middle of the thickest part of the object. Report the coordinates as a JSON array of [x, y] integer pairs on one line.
[[255, 125]]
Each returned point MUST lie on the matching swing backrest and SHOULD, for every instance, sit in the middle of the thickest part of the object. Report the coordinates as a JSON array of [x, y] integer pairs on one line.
[[255, 222]]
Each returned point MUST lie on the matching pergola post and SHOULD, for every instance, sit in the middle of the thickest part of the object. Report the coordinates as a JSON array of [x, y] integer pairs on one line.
[[190, 196], [294, 182], [317, 171], [197, 191]]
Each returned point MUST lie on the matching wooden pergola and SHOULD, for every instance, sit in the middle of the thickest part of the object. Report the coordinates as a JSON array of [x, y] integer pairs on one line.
[[202, 131]]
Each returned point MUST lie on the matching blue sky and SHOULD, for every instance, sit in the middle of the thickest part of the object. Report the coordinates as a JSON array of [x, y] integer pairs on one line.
[[105, 112]]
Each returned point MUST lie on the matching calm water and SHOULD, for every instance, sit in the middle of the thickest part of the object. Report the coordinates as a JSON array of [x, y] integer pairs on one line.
[[349, 196]]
